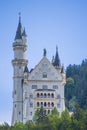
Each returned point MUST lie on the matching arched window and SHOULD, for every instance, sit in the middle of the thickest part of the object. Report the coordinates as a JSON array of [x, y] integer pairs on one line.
[[45, 104], [41, 95], [42, 104], [48, 111], [38, 104], [52, 95], [48, 104], [45, 95], [48, 95], [38, 95], [52, 104]]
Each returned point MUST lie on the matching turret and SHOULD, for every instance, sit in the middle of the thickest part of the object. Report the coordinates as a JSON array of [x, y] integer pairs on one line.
[[19, 62], [57, 59]]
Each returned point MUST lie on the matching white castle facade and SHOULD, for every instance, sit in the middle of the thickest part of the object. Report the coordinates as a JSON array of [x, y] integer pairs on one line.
[[41, 86]]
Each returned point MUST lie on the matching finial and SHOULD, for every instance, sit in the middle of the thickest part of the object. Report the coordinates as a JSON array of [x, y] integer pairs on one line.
[[44, 54], [19, 16], [56, 48]]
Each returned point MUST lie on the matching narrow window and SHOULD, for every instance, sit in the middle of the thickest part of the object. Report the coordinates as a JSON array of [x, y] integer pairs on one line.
[[45, 95], [45, 104], [48, 111], [19, 112], [38, 95], [34, 86], [31, 104], [44, 75], [45, 87], [38, 104]]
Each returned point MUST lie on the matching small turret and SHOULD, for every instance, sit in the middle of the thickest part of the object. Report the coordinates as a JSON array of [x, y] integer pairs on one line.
[[26, 73], [19, 30], [57, 59], [62, 69], [53, 60]]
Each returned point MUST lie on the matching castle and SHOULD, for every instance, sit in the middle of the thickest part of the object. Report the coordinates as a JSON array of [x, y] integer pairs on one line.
[[41, 86]]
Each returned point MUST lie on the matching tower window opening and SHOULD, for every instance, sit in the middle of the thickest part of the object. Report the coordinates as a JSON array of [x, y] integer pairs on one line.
[[58, 105], [38, 104], [15, 92], [19, 112]]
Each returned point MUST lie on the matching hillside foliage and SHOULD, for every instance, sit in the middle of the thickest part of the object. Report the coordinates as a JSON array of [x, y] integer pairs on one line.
[[76, 86], [77, 121]]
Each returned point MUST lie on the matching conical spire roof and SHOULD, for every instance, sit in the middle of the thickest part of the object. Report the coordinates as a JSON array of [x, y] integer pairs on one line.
[[57, 59], [26, 69], [19, 30], [24, 33]]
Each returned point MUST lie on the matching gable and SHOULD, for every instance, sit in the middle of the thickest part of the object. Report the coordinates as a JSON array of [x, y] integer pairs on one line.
[[45, 71]]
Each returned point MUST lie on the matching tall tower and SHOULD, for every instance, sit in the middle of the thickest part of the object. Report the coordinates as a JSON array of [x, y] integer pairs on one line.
[[19, 62]]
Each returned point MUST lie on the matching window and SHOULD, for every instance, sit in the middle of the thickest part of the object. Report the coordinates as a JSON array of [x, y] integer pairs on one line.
[[38, 104], [58, 105], [26, 95], [55, 86], [48, 104], [31, 95], [31, 113], [42, 104], [52, 104], [48, 95], [31, 104], [41, 95], [52, 95], [15, 105], [19, 67], [38, 95], [44, 75], [48, 111], [44, 87], [15, 92], [34, 86], [45, 95], [19, 112], [45, 104], [58, 96]]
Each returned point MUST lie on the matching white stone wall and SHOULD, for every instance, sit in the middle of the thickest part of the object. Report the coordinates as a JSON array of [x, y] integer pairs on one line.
[[53, 81]]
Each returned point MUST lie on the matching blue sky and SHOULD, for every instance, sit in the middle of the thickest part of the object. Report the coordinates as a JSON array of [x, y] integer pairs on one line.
[[48, 23]]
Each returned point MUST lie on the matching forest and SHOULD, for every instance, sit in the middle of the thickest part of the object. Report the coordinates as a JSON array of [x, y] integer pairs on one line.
[[76, 121], [75, 100], [76, 86]]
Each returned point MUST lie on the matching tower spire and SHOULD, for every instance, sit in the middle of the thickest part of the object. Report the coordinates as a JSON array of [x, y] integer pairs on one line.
[[19, 29], [57, 59]]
